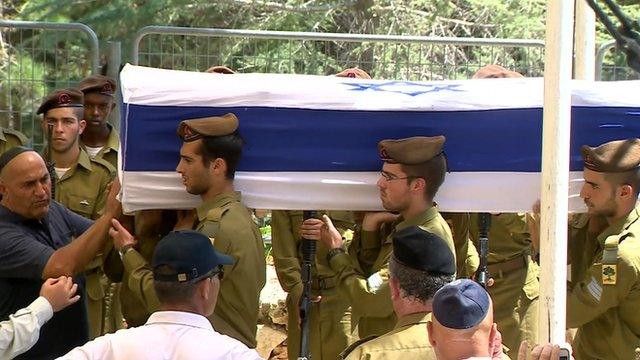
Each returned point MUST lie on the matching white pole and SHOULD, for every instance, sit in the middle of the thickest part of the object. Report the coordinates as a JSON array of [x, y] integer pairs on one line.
[[555, 170], [585, 30]]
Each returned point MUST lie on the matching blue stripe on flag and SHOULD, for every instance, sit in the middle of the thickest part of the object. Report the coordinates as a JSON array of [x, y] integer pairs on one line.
[[286, 139]]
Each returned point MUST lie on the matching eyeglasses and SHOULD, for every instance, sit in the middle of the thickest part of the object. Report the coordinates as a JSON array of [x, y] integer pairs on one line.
[[390, 177]]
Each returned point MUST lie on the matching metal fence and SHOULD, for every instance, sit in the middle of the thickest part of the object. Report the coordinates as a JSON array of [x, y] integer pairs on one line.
[[383, 56], [608, 60], [35, 58]]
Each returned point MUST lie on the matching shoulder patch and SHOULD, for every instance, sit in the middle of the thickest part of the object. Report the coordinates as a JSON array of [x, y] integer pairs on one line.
[[216, 214], [353, 346]]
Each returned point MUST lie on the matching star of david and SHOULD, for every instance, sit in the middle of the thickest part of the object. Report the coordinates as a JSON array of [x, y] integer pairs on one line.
[[404, 87]]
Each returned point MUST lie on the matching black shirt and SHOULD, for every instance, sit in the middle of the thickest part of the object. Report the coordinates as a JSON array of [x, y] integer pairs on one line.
[[25, 247]]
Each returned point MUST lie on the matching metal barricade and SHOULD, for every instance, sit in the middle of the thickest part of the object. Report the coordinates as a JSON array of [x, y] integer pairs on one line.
[[383, 56], [35, 58], [611, 64]]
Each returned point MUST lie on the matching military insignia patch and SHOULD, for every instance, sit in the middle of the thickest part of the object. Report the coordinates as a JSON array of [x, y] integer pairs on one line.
[[64, 98], [609, 274]]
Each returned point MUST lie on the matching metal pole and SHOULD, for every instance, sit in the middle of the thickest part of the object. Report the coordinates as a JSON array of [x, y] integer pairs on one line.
[[556, 135], [114, 60], [585, 30]]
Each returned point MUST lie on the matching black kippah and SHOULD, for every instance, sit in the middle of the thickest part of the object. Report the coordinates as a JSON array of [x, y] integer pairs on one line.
[[421, 250], [8, 155]]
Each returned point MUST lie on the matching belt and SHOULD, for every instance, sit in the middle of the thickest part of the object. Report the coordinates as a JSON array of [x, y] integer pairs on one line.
[[323, 283], [503, 268]]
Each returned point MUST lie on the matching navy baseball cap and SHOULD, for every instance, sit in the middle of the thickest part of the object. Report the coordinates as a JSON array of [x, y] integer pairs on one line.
[[461, 304], [419, 249], [188, 256]]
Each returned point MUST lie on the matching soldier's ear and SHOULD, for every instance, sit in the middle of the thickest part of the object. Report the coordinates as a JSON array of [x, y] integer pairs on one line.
[[432, 341], [218, 165], [626, 190]]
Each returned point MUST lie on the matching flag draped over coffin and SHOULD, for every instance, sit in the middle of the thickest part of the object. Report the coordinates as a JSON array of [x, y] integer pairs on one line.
[[311, 141]]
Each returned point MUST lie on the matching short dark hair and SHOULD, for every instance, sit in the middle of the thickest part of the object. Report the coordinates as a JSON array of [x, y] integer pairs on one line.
[[173, 292], [432, 171], [631, 177], [417, 284], [227, 147]]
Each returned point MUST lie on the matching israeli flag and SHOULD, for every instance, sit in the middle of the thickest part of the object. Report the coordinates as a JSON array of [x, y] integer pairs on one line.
[[311, 141]]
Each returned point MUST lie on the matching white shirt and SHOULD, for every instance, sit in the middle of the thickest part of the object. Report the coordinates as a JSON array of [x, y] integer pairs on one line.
[[93, 151], [166, 335], [22, 330], [61, 171]]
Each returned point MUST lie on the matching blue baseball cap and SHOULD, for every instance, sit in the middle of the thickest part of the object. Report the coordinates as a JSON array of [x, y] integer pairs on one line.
[[461, 304], [186, 255]]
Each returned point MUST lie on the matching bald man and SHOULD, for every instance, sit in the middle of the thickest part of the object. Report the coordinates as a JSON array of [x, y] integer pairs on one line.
[[35, 244]]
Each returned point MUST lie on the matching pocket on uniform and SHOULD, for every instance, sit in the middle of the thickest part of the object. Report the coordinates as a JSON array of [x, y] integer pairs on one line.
[[95, 290], [80, 205]]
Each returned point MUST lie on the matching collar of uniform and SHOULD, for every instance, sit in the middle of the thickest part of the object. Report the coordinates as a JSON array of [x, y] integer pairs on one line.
[[420, 219], [84, 160], [218, 201], [179, 318], [412, 319], [620, 225], [2, 136]]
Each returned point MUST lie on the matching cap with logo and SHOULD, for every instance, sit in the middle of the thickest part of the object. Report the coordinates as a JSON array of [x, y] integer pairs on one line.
[[186, 255], [61, 98], [194, 129], [98, 84], [411, 151]]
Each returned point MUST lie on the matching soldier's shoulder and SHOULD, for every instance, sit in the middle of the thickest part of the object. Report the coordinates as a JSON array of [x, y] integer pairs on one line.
[[103, 166], [14, 137], [354, 351]]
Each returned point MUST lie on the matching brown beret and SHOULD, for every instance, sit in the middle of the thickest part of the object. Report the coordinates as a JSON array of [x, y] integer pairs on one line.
[[411, 151], [354, 73], [219, 69], [194, 129], [98, 83], [612, 157], [495, 71], [61, 98]]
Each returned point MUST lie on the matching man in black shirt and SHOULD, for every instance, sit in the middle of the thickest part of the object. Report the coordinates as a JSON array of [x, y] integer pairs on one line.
[[36, 236]]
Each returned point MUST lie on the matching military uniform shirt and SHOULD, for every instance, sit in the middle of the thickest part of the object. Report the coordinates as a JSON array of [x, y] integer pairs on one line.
[[109, 151], [408, 340], [229, 224], [365, 275], [606, 315]]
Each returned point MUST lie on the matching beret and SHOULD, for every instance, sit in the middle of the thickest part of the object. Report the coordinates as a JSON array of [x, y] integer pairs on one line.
[[419, 249], [61, 98], [98, 83], [354, 73], [193, 129], [612, 157], [495, 71], [219, 69], [461, 304], [411, 151]]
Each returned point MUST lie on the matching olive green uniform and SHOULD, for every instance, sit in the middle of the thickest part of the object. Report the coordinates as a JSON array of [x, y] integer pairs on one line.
[[603, 303], [516, 287], [467, 259], [10, 138], [364, 273], [109, 152], [83, 189], [408, 340], [225, 220], [329, 319]]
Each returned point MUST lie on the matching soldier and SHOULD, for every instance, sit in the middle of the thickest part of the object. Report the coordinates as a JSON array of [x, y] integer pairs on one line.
[[81, 183], [209, 156], [10, 138], [421, 264], [330, 320], [413, 170], [514, 287], [603, 302], [99, 139]]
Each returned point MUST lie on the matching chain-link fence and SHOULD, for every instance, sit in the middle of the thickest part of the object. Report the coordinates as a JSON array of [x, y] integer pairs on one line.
[[384, 57], [36, 58], [611, 64]]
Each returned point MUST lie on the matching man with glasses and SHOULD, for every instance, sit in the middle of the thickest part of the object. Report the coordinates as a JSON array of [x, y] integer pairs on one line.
[[186, 276], [413, 170]]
